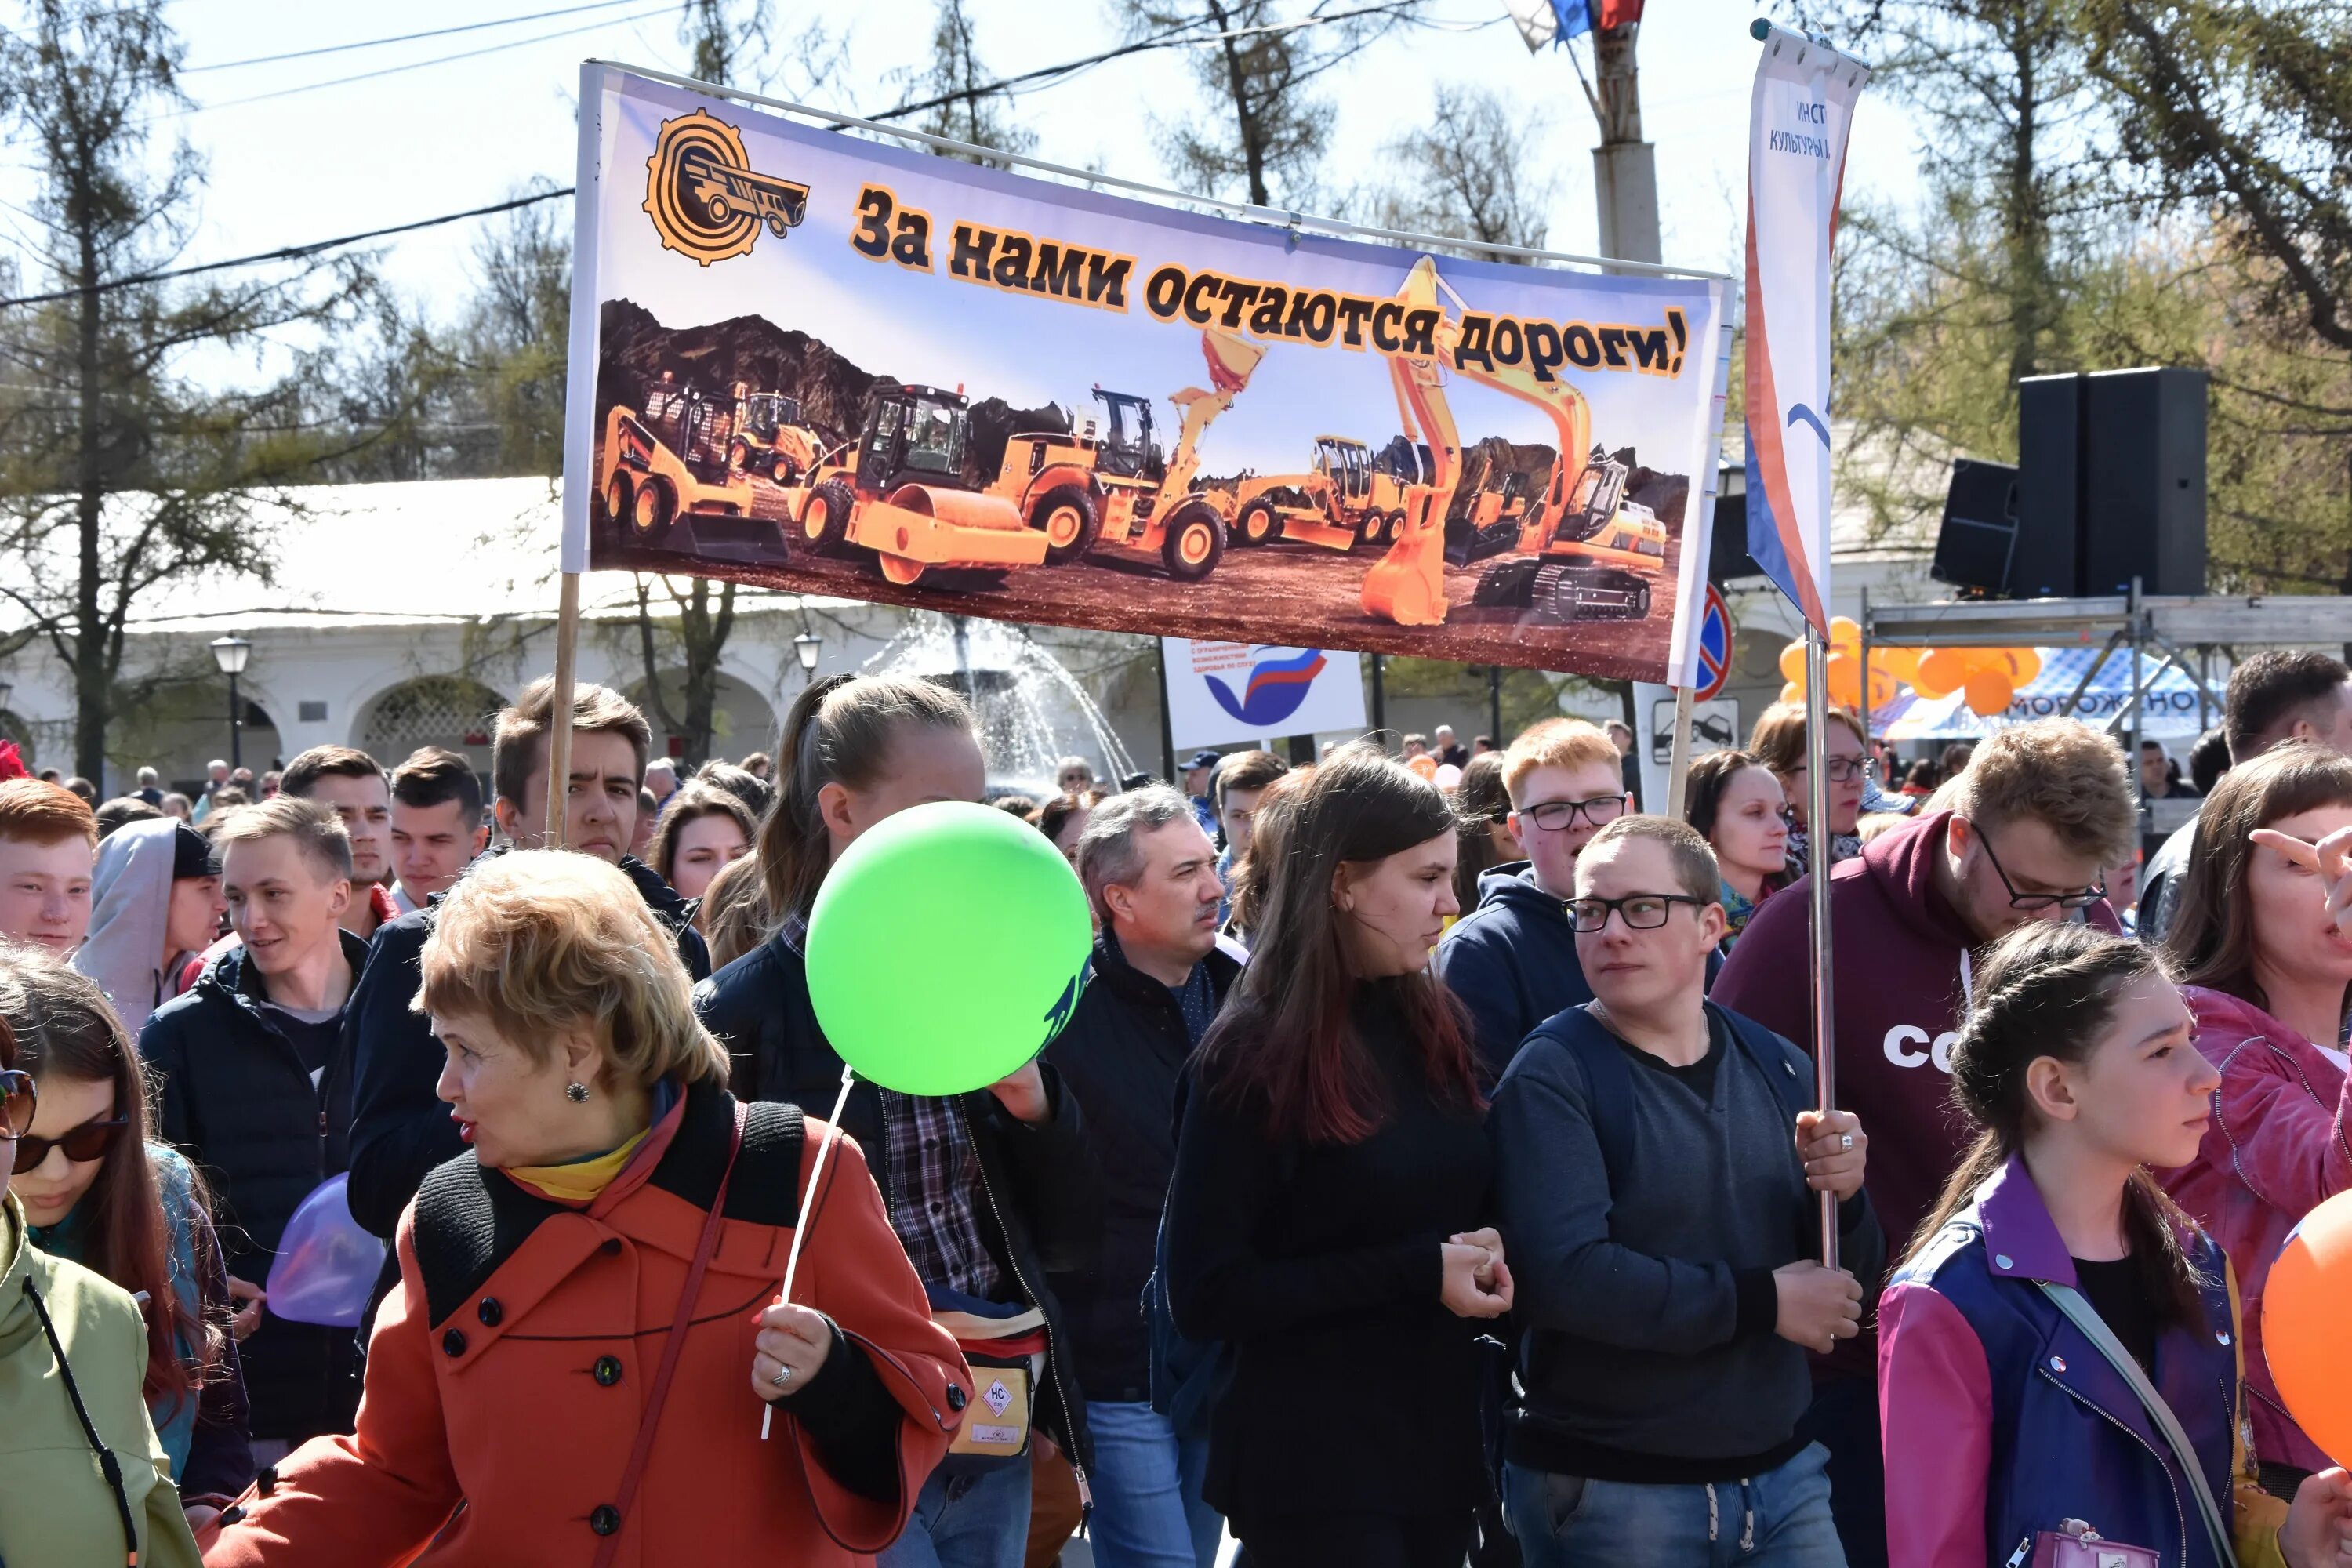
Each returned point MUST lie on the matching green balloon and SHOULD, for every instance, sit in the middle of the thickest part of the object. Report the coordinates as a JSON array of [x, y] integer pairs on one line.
[[946, 947]]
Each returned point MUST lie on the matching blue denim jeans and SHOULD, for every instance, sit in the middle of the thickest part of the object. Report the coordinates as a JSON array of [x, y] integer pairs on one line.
[[1777, 1519], [975, 1521], [1147, 1485]]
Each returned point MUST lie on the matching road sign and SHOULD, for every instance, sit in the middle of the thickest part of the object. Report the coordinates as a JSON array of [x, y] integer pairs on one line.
[[1715, 726], [1715, 631]]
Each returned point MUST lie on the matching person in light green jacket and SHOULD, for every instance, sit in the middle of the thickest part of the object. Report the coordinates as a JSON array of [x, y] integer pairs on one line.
[[73, 1353]]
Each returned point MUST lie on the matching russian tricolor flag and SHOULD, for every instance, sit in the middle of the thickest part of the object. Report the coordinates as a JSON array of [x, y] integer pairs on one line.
[[1542, 22]]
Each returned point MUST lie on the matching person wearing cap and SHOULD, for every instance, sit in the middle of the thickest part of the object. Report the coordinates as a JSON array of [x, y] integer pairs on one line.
[[1200, 779], [155, 900]]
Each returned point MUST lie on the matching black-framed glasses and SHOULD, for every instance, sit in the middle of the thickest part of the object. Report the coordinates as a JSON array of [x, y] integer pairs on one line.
[[1553, 816], [18, 1100], [89, 1142], [1845, 770], [2081, 899], [1640, 911]]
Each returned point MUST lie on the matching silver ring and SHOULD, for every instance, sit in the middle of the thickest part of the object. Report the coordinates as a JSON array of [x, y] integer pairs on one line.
[[1845, 1139], [783, 1375]]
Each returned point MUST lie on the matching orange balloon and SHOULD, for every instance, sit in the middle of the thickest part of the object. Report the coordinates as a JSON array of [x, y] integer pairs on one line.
[[1792, 662], [1844, 679], [1942, 671], [1901, 663], [1883, 688], [2024, 663], [1844, 632], [1989, 692], [2303, 1318], [1792, 692]]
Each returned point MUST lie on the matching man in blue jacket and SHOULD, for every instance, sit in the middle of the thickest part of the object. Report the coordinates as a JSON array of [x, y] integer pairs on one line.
[[1512, 961]]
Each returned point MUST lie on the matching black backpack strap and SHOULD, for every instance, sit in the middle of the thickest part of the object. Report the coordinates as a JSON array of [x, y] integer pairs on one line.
[[1783, 1065]]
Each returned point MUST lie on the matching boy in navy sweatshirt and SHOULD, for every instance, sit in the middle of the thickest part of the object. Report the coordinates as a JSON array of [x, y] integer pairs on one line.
[[1658, 1169]]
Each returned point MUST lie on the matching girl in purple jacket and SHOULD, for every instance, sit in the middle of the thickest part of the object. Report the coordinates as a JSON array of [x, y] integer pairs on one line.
[[2006, 1421], [2268, 976]]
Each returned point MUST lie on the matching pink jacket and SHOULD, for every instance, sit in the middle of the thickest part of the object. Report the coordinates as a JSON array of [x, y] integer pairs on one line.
[[2276, 1147]]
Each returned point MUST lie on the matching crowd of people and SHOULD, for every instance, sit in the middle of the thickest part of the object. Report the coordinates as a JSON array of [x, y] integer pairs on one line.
[[1427, 1173]]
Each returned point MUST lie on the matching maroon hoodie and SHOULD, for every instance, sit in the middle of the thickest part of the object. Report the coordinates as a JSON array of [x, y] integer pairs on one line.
[[1897, 950]]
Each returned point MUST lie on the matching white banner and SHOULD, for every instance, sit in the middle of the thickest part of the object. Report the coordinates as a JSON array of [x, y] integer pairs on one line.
[[1797, 122], [1223, 692]]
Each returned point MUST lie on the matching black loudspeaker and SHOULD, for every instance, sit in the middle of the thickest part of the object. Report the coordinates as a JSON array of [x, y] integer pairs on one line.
[[2048, 561], [1727, 546], [2144, 492], [1980, 531], [2111, 483]]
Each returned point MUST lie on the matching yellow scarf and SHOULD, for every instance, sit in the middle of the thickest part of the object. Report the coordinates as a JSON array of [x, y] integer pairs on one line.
[[579, 1181]]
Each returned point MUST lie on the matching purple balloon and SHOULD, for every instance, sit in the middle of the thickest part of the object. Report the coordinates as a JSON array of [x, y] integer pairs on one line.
[[326, 1265]]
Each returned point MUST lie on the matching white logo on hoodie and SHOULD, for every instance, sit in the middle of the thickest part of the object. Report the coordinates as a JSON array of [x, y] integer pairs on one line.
[[1903, 1042]]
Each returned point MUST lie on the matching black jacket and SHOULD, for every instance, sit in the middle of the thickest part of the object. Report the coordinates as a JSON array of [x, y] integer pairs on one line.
[[399, 1128], [1043, 1213], [236, 1099], [1351, 1388], [1121, 1054]]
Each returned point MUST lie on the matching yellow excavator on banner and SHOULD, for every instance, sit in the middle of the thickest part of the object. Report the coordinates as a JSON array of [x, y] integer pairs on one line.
[[1593, 552]]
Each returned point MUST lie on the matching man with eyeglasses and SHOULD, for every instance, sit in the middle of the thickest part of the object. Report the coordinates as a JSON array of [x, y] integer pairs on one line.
[[1657, 1161], [2042, 810], [1512, 960]]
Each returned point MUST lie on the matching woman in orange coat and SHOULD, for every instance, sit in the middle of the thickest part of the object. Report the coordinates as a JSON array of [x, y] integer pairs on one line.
[[573, 1367]]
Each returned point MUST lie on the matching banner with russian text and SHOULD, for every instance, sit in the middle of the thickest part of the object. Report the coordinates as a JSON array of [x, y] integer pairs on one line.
[[1798, 118], [824, 363]]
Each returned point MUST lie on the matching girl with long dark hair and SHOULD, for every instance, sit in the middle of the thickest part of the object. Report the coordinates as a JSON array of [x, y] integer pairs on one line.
[[2269, 977], [2061, 1347], [1738, 807], [1331, 1177], [82, 1477], [988, 1191], [99, 1191]]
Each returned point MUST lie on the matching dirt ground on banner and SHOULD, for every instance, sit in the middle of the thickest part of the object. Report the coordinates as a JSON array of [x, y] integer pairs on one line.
[[1280, 594]]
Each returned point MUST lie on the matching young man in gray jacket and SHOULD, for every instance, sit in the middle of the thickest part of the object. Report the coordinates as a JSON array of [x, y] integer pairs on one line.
[[1659, 1172]]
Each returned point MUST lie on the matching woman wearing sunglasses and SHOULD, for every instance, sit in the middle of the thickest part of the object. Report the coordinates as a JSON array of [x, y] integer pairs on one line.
[[74, 1356], [98, 1191]]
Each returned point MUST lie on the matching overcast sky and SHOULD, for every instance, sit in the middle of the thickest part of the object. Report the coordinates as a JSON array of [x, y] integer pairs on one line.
[[306, 164]]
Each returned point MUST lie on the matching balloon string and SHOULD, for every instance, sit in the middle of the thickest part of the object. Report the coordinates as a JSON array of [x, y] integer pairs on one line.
[[801, 1230]]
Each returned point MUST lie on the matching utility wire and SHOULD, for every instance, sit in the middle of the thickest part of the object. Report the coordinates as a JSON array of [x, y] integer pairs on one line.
[[284, 253], [1169, 39], [402, 38], [420, 64]]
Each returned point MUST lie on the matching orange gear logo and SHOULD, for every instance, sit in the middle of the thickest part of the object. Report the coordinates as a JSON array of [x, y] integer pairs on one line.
[[704, 199]]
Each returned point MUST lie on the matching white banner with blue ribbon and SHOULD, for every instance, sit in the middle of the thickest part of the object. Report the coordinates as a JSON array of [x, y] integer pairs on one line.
[[1223, 692]]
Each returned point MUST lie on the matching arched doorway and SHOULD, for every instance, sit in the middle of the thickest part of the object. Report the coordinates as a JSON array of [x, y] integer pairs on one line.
[[742, 721], [453, 711]]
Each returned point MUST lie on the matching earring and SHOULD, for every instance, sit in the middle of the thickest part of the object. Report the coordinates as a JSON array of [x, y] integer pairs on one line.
[[577, 1093]]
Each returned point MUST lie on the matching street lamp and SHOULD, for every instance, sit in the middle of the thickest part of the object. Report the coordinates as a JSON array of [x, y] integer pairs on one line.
[[806, 647], [230, 653]]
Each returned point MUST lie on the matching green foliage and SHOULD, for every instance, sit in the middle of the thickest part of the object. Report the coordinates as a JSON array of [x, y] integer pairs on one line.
[[1467, 170]]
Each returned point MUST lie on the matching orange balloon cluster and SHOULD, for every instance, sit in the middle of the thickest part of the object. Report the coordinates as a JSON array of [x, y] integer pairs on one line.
[[1988, 678], [1890, 669], [2303, 1318]]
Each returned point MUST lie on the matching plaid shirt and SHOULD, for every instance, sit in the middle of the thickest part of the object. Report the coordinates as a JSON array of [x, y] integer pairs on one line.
[[932, 1181]]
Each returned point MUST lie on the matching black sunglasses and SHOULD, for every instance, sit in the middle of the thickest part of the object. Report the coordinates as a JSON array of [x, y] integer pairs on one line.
[[2081, 899], [18, 1100], [89, 1142]]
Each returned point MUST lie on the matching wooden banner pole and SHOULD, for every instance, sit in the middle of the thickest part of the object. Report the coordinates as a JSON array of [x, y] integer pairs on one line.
[[559, 725], [1678, 763]]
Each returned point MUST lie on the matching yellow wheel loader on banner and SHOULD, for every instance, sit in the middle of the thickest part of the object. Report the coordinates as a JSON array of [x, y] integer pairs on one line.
[[1109, 488], [1583, 551], [655, 469], [904, 495], [770, 439], [1349, 497]]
